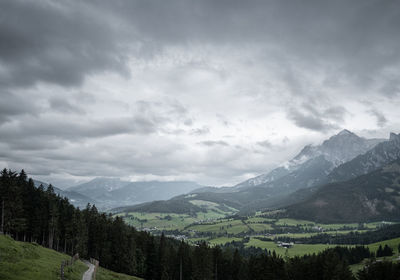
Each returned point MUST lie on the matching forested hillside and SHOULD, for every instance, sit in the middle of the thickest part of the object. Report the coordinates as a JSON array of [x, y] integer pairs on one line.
[[374, 196], [32, 214]]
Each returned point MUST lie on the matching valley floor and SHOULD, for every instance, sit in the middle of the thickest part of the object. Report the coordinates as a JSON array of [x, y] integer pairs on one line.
[[260, 231]]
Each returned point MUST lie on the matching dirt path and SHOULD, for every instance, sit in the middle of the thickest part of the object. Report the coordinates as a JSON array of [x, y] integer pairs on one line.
[[89, 273]]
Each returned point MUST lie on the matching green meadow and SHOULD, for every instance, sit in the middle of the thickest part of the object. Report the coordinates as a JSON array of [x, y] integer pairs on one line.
[[296, 250], [217, 229]]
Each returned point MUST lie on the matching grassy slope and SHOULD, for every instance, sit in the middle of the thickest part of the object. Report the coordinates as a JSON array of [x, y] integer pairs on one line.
[[177, 221], [261, 224], [302, 249], [22, 260], [223, 240], [393, 243], [151, 220], [296, 250]]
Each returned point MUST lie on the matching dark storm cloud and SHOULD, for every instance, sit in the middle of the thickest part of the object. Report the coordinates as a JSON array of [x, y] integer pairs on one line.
[[362, 35], [67, 125], [391, 87], [63, 105], [380, 117], [13, 105], [45, 133], [311, 116], [309, 121], [34, 143], [63, 42], [75, 130], [56, 42], [337, 113], [211, 143]]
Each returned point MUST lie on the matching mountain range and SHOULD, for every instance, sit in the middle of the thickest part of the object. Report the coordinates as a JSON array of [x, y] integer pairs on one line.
[[339, 160], [76, 198], [322, 182], [107, 193], [314, 162]]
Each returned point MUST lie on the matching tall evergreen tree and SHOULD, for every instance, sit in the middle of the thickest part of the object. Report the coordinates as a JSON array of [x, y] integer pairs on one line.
[[151, 260], [202, 263]]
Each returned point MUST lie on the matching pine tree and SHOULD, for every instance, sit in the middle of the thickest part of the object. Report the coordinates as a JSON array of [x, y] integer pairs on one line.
[[379, 253], [387, 251], [202, 263], [151, 260], [237, 272], [81, 237], [161, 268]]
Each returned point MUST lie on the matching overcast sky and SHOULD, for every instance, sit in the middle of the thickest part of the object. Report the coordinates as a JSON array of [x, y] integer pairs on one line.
[[207, 90]]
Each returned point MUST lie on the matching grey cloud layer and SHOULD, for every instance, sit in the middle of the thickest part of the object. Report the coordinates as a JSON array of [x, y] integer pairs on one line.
[[56, 42], [380, 117], [65, 41], [310, 116], [301, 59], [146, 118]]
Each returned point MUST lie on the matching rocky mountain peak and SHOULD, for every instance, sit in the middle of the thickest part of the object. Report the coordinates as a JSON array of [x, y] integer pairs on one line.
[[335, 151], [394, 137], [345, 132], [307, 150], [345, 146], [344, 135]]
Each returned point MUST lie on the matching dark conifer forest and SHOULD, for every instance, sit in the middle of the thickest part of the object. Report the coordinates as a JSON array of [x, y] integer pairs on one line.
[[38, 215]]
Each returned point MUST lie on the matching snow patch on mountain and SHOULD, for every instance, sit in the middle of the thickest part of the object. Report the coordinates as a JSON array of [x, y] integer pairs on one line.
[[338, 149]]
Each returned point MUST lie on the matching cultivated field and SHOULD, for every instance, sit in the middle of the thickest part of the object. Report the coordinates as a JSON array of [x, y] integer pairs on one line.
[[261, 230]]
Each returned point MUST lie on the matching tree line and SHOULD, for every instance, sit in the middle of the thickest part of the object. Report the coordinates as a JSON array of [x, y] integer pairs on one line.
[[39, 215], [354, 237]]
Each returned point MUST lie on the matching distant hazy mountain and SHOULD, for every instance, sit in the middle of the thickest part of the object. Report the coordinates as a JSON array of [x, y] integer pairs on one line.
[[139, 192], [314, 162], [162, 206], [77, 199], [373, 196], [110, 193], [98, 186]]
